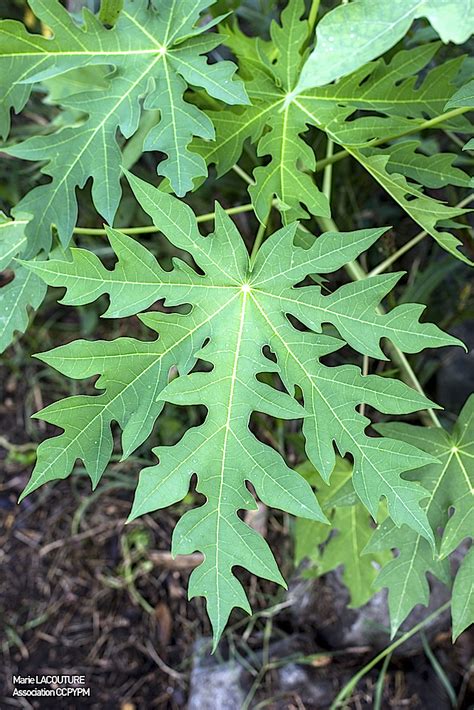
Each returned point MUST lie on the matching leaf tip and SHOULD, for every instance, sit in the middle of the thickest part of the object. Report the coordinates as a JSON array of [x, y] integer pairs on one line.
[[41, 356], [132, 515], [29, 488], [21, 262], [215, 643]]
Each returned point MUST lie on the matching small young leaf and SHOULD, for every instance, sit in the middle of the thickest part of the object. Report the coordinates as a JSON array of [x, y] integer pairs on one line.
[[343, 544], [449, 482]]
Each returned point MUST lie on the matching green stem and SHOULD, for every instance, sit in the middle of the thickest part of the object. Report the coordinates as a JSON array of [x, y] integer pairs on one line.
[[133, 149], [380, 683], [438, 669], [383, 266], [365, 371], [430, 123], [151, 229], [357, 273], [349, 687], [458, 141], [390, 260], [313, 14], [241, 173], [327, 177], [109, 11], [257, 243]]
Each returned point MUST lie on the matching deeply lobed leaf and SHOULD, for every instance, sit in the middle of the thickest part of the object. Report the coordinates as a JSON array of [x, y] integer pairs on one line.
[[377, 103], [449, 482], [24, 291], [153, 53], [234, 313]]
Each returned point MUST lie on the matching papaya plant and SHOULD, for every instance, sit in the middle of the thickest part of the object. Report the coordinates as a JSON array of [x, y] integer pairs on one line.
[[238, 326]]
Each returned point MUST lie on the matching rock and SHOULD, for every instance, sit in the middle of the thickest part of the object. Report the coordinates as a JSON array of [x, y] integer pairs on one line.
[[214, 684], [316, 688], [312, 689], [323, 604]]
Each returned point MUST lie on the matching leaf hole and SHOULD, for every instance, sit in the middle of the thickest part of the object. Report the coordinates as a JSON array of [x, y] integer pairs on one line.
[[268, 353]]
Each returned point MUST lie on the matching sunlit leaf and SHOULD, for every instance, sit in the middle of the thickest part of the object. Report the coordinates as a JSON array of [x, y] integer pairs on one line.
[[234, 313]]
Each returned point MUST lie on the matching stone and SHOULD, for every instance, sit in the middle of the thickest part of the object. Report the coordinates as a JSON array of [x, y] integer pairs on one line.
[[214, 684], [323, 605], [308, 684]]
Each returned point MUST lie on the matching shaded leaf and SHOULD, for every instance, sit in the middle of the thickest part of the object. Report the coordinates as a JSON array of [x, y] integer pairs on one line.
[[462, 605], [449, 483], [344, 543], [24, 291]]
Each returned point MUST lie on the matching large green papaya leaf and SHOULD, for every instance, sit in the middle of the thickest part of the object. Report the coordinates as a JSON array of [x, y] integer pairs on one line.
[[235, 312]]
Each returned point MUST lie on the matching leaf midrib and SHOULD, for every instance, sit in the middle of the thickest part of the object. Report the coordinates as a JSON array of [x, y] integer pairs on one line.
[[118, 395], [235, 365], [341, 423], [342, 316], [95, 131]]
